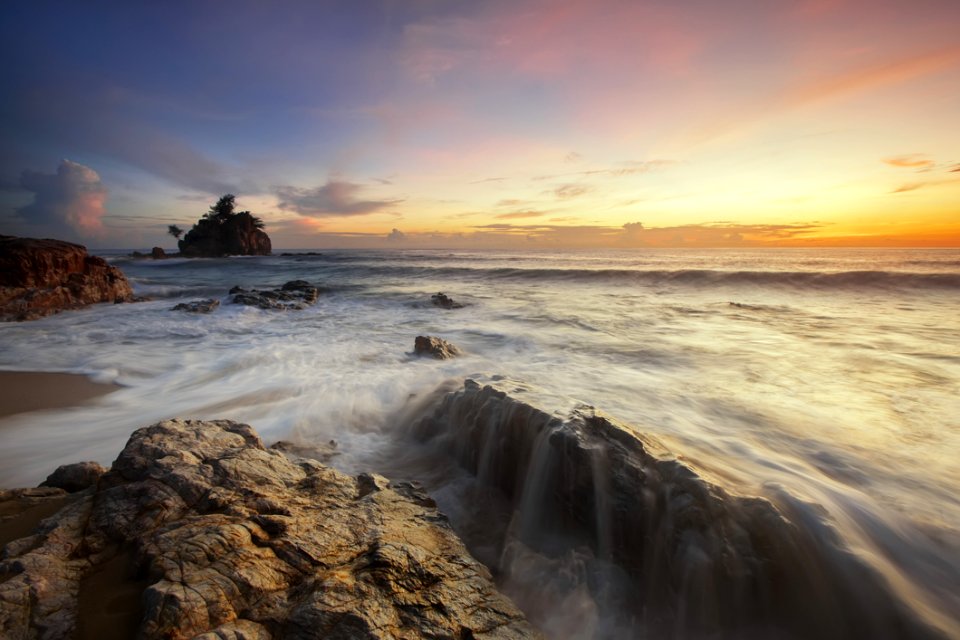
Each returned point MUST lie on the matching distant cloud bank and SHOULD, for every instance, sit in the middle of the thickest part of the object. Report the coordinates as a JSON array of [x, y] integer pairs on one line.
[[72, 198]]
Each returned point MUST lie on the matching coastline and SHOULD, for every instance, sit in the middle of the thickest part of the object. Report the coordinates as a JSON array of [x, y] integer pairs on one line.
[[24, 391]]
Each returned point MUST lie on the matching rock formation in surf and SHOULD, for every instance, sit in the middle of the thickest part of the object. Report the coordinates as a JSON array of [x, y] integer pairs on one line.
[[207, 305], [434, 347], [444, 301], [42, 277], [223, 231], [223, 538], [678, 555], [296, 294]]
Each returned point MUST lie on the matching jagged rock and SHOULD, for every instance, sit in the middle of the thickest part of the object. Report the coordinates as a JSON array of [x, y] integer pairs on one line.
[[157, 253], [434, 347], [296, 294], [689, 554], [198, 306], [75, 477], [232, 540], [442, 300], [41, 277], [237, 235]]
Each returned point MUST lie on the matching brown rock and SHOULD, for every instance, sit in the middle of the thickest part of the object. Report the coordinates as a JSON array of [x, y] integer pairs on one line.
[[157, 253], [237, 541], [434, 347], [41, 277], [444, 301], [74, 477]]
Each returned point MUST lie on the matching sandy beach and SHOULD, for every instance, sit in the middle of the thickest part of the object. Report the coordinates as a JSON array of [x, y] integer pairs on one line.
[[22, 391]]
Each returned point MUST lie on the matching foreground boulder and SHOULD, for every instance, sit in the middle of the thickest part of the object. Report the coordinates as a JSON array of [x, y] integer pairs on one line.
[[42, 277], [223, 537], [296, 294], [586, 504], [434, 347]]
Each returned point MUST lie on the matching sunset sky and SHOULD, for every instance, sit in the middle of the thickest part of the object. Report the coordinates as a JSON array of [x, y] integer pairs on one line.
[[470, 124]]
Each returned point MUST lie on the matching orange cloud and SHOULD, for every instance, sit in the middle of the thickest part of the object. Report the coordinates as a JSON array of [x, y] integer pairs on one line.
[[913, 161]]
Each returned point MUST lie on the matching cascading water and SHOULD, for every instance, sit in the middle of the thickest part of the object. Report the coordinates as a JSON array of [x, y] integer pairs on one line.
[[607, 536]]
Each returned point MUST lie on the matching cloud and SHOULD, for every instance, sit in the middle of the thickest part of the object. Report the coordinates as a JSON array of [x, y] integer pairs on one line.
[[520, 214], [396, 235], [956, 169], [73, 198], [910, 186], [335, 198], [568, 191], [572, 157], [911, 161]]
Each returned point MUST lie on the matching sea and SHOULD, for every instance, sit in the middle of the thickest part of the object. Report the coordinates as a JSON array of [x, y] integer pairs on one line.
[[830, 375]]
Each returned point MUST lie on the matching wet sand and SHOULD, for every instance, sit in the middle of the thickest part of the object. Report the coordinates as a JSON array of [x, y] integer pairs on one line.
[[22, 391]]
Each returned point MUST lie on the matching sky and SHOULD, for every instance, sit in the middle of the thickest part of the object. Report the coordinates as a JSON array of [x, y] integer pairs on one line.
[[500, 124]]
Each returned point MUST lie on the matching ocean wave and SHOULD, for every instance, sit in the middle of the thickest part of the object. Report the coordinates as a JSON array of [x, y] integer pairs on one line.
[[685, 277]]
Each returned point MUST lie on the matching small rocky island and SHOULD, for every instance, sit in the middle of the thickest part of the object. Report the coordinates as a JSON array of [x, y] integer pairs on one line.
[[223, 231], [42, 277]]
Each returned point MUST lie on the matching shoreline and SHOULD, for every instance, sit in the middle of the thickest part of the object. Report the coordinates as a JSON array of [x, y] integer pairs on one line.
[[25, 391]]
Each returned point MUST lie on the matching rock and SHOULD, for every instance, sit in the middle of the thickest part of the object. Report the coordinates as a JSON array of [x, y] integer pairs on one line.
[[157, 253], [322, 452], [232, 540], [685, 551], [444, 301], [434, 347], [237, 235], [296, 294], [198, 306], [75, 477], [41, 277]]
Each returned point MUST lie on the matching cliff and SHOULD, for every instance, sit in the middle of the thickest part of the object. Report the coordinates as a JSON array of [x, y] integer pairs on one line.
[[41, 277]]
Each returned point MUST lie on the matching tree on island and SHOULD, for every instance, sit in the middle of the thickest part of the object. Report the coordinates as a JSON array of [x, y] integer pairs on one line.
[[224, 231]]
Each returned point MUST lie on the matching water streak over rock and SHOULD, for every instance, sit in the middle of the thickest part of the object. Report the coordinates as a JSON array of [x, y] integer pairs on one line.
[[592, 506]]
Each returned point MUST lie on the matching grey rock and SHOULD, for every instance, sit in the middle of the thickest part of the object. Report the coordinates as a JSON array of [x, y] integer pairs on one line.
[[685, 551], [238, 541], [296, 294], [198, 306], [443, 301], [435, 347]]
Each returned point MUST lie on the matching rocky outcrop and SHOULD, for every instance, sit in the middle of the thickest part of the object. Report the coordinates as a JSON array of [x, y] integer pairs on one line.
[[207, 305], [434, 347], [41, 277], [296, 294], [236, 235], [157, 253], [647, 532], [444, 301], [227, 539]]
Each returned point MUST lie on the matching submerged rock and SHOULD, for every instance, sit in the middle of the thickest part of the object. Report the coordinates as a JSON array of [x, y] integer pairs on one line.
[[198, 306], [42, 277], [604, 510], [296, 294], [444, 301], [233, 540], [434, 347]]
